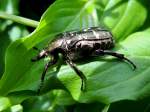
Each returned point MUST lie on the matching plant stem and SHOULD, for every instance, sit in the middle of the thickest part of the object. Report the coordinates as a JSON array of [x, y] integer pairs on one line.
[[19, 19], [106, 108]]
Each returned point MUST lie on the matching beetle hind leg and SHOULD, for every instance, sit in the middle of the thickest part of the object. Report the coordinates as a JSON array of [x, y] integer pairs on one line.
[[79, 73], [118, 55]]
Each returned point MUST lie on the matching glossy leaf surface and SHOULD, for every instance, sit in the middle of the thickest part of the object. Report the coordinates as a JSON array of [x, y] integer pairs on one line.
[[109, 79]]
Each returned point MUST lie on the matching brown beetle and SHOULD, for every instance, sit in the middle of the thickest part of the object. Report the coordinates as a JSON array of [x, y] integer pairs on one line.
[[75, 45]]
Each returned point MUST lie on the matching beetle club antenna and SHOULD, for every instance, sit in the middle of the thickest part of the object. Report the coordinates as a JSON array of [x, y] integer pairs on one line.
[[37, 49]]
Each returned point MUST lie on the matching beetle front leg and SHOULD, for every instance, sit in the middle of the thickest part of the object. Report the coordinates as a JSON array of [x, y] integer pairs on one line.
[[78, 72], [118, 55], [50, 63]]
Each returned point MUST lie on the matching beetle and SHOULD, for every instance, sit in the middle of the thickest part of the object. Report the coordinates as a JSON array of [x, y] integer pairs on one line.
[[75, 45]]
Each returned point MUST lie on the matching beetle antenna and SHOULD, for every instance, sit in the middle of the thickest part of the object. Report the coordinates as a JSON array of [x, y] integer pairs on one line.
[[37, 49]]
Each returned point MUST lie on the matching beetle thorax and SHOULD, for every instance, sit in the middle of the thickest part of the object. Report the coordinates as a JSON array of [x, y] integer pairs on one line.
[[55, 45]]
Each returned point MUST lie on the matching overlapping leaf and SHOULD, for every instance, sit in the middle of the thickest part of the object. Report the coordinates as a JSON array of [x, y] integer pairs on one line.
[[109, 79]]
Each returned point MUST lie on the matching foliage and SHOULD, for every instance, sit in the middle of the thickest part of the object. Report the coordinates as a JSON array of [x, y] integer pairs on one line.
[[109, 80]]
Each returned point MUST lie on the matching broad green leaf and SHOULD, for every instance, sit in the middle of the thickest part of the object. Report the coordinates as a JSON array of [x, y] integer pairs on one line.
[[48, 102], [20, 72], [10, 34], [4, 42], [109, 79], [8, 30], [37, 104], [105, 81], [123, 17], [4, 103], [17, 108], [61, 97]]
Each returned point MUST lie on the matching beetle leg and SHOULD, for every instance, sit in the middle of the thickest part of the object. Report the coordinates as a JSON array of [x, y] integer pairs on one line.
[[50, 63], [78, 72], [118, 55]]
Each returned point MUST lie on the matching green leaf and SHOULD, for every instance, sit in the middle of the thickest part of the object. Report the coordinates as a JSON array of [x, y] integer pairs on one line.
[[37, 104], [123, 17], [25, 74], [17, 108], [61, 97], [48, 102], [10, 34], [104, 81], [4, 103], [108, 79], [8, 30]]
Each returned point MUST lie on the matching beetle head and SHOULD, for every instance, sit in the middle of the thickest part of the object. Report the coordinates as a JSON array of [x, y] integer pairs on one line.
[[41, 55]]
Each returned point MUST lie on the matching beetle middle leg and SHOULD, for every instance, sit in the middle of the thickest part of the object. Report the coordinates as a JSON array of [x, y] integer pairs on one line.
[[50, 63], [78, 72], [118, 55]]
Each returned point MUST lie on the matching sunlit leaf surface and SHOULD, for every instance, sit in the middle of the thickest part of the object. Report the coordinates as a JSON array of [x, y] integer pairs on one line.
[[108, 79]]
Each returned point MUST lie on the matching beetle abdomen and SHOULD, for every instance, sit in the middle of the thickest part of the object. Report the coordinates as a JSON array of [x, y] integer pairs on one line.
[[93, 37], [82, 43]]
